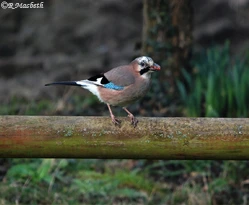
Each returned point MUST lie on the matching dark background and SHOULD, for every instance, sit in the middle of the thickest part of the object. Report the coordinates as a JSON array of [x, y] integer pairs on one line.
[[74, 40]]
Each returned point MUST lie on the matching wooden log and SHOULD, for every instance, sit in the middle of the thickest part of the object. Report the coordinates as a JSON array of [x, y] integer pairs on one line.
[[97, 137]]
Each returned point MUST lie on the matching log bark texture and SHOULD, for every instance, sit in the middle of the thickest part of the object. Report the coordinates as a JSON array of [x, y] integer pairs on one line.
[[97, 137]]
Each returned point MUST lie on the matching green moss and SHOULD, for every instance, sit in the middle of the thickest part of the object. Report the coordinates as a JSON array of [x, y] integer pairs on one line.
[[68, 133]]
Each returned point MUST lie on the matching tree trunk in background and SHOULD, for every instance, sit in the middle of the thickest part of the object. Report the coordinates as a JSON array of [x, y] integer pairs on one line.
[[167, 33], [167, 38]]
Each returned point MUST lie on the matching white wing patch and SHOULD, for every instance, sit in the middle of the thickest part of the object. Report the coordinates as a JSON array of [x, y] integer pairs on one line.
[[91, 86], [84, 82]]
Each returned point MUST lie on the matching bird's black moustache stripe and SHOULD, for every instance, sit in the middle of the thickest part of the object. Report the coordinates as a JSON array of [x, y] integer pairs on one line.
[[73, 83], [144, 70]]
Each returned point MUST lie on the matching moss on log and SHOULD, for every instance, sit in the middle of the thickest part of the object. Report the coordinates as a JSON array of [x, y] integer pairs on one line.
[[97, 137]]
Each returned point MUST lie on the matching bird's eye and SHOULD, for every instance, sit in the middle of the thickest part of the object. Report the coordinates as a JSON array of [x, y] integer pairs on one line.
[[142, 64]]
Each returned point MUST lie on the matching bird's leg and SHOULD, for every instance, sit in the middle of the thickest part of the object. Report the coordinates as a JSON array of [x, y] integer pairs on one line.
[[134, 121], [114, 120]]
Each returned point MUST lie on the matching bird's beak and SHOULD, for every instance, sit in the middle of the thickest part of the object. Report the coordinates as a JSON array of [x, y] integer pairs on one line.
[[155, 67]]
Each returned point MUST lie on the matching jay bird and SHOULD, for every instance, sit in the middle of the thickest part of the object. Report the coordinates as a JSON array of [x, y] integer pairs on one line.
[[120, 86]]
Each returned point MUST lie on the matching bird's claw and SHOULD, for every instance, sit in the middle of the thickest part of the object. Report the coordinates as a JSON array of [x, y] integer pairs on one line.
[[115, 121], [134, 121]]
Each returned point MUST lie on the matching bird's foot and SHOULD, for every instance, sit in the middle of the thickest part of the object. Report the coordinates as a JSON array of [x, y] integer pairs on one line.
[[115, 121], [134, 121]]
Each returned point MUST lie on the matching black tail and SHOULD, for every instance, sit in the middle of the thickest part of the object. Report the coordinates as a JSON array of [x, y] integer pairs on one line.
[[73, 83]]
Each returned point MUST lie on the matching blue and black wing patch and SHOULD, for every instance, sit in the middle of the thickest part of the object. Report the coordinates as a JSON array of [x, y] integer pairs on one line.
[[113, 86], [102, 80]]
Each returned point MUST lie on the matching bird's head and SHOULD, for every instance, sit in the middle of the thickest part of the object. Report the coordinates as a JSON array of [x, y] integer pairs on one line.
[[146, 65]]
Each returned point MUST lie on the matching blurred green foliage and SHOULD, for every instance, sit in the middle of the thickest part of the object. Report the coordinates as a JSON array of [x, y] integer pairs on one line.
[[219, 86], [16, 106], [73, 105], [42, 181], [70, 181]]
